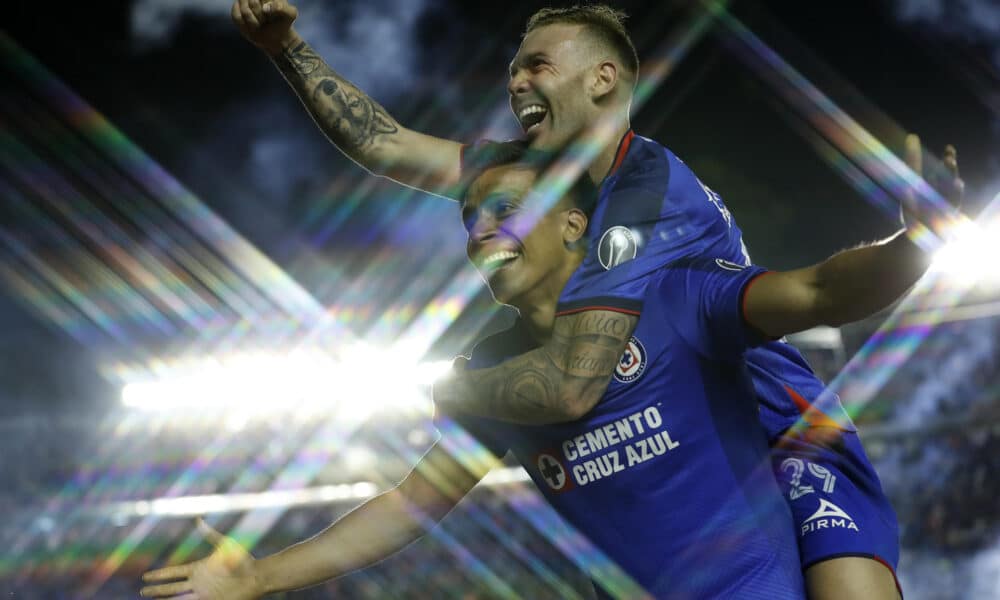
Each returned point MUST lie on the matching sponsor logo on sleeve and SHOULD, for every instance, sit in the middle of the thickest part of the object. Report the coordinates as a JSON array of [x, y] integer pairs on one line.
[[617, 246], [828, 516], [729, 266]]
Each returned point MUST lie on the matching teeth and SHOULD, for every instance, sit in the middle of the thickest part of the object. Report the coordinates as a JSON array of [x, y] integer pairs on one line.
[[530, 110], [498, 257]]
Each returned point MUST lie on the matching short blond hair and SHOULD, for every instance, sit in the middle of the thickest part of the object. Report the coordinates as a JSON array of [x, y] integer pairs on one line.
[[606, 24]]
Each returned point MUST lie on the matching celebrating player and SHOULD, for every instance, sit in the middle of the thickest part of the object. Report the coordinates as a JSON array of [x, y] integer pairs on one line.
[[667, 458], [576, 67]]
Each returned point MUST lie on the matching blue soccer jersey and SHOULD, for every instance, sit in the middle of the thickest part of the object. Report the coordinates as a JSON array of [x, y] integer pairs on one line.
[[652, 210], [669, 474]]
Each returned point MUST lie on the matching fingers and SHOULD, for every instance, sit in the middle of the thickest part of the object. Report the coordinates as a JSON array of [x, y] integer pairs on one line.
[[168, 573], [277, 10], [248, 14], [237, 15], [912, 154], [954, 189], [258, 11], [950, 159], [214, 537], [167, 590]]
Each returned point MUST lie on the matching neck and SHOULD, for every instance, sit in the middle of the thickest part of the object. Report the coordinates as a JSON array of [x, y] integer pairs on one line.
[[605, 134], [538, 307]]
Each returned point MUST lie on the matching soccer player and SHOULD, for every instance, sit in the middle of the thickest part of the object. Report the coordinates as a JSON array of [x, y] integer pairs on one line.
[[576, 67], [672, 459]]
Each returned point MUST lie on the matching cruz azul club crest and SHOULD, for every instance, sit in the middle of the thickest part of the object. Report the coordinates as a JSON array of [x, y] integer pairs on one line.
[[632, 363]]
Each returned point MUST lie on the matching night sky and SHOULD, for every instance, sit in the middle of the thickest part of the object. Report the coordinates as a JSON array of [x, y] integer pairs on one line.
[[187, 89]]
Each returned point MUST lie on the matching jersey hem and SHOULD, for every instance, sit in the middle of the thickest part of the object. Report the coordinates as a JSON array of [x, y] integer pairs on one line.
[[757, 333], [619, 305]]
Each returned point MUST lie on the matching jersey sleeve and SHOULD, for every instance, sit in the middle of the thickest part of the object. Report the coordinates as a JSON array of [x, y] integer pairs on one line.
[[654, 211], [704, 300]]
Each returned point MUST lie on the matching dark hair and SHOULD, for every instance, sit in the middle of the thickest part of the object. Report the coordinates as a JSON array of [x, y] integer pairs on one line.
[[602, 21], [486, 155]]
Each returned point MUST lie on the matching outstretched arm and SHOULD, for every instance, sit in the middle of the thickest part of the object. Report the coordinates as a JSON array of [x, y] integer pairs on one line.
[[850, 285], [559, 382], [371, 532], [355, 123]]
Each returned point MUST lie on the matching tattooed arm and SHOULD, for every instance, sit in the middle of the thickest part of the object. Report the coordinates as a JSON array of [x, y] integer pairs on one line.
[[561, 381], [355, 123]]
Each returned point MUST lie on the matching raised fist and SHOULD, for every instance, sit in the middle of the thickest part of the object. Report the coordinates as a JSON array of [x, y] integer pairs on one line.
[[266, 23]]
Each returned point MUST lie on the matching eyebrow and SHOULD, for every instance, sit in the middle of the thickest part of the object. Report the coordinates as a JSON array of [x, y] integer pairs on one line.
[[494, 196], [522, 60]]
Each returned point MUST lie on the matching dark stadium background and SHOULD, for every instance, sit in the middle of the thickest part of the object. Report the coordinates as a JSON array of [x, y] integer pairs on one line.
[[180, 83]]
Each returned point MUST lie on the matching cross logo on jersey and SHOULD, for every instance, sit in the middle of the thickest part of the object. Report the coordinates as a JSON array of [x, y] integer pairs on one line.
[[552, 471], [632, 363], [617, 245]]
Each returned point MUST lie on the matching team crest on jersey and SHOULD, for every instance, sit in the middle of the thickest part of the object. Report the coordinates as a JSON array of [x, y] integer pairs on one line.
[[729, 266], [632, 363], [617, 245], [553, 472]]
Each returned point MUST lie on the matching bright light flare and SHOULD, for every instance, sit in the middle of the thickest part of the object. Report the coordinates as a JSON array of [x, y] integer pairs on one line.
[[187, 506], [972, 255], [357, 383]]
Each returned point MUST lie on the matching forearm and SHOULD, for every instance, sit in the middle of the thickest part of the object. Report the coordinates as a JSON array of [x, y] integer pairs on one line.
[[857, 283], [375, 530], [355, 123], [560, 381]]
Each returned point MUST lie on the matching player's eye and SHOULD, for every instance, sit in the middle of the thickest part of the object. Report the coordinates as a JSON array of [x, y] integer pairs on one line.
[[505, 207]]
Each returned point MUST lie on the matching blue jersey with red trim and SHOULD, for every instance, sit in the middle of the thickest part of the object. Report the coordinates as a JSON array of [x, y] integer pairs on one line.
[[670, 473], [652, 210]]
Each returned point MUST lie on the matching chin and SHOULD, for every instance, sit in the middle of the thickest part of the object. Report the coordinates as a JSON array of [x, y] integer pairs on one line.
[[500, 296], [544, 139], [504, 295]]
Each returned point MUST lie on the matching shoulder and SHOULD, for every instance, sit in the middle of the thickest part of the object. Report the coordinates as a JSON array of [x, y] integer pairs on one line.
[[706, 265], [694, 273], [499, 347]]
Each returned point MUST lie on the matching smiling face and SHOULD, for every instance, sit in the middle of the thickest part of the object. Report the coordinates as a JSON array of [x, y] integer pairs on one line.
[[523, 254], [550, 86]]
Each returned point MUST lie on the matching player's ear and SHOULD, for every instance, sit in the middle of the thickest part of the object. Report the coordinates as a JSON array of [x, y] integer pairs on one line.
[[605, 79], [575, 226]]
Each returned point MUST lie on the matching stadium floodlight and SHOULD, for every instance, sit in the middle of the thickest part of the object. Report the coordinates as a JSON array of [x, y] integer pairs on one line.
[[353, 384], [189, 506]]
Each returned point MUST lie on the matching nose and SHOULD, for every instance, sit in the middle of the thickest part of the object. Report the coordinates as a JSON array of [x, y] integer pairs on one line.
[[518, 83], [483, 229]]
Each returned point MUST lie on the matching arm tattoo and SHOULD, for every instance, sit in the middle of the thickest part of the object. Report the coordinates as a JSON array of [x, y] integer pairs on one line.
[[351, 119], [557, 382]]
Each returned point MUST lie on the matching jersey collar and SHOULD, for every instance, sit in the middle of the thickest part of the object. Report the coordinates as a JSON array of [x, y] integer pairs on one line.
[[623, 146]]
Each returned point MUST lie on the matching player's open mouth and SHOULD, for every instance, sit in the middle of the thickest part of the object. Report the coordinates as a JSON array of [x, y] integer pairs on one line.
[[498, 260], [531, 116]]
